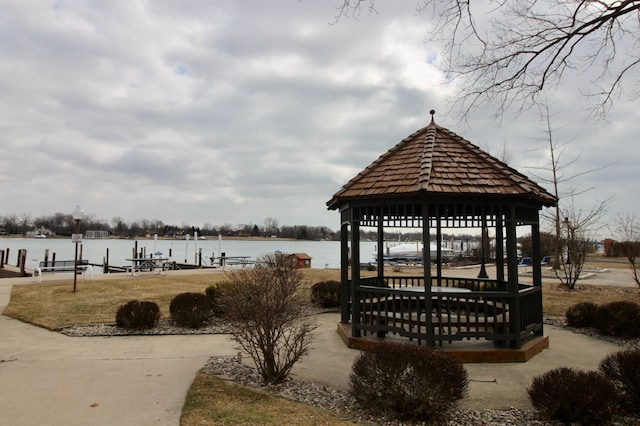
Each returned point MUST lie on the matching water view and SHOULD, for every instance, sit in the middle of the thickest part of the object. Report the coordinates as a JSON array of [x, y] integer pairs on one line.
[[325, 254]]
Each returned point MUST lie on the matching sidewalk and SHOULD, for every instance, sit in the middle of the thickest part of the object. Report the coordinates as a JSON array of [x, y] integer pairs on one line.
[[49, 378]]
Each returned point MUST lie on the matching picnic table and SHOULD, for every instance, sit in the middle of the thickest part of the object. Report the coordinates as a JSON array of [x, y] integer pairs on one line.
[[157, 265]]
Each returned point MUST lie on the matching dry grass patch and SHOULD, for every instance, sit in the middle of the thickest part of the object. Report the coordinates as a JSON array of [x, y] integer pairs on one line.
[[55, 305], [213, 401], [557, 299]]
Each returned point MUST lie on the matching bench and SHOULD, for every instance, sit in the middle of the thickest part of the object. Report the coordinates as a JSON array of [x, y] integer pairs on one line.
[[62, 266], [525, 263]]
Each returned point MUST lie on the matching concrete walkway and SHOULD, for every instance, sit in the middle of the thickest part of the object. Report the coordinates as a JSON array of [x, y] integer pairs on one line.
[[48, 378]]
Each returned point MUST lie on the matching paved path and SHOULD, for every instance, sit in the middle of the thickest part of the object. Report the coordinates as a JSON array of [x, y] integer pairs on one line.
[[48, 378]]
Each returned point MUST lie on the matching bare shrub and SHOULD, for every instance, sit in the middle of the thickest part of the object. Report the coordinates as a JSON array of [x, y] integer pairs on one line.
[[414, 382], [265, 308], [621, 318], [569, 396], [190, 309], [326, 294], [581, 314], [623, 369], [213, 293], [138, 315]]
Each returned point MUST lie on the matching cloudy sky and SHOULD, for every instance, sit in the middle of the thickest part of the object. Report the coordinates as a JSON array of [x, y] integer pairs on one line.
[[230, 112]]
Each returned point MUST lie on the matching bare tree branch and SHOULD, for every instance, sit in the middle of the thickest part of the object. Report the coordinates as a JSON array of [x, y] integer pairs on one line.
[[523, 47]]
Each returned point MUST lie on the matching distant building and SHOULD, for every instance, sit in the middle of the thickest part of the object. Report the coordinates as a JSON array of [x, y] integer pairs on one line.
[[96, 235]]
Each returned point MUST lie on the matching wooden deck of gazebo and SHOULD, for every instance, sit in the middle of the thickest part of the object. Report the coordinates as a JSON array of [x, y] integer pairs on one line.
[[435, 180]]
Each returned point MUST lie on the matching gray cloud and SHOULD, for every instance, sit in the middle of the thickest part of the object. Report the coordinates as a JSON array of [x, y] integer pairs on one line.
[[234, 111]]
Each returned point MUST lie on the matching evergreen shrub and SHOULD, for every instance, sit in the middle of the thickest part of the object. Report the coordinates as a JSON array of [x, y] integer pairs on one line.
[[573, 396], [623, 369], [413, 382], [190, 309], [581, 314], [326, 294], [138, 315]]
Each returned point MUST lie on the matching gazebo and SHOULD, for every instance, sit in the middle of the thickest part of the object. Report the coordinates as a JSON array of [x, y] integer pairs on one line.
[[435, 180]]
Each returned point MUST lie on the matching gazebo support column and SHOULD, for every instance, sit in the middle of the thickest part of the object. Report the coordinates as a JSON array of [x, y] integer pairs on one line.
[[355, 272], [536, 255], [512, 276], [499, 248], [380, 254], [345, 290], [483, 243], [438, 247], [426, 268], [537, 271]]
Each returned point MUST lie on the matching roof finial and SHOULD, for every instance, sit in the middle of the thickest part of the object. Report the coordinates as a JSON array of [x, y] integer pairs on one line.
[[432, 112]]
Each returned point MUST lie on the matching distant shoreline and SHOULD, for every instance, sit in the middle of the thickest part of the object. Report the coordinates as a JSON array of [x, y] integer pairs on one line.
[[147, 238]]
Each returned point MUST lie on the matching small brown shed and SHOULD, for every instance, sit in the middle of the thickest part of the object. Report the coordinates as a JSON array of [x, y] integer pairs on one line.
[[303, 260]]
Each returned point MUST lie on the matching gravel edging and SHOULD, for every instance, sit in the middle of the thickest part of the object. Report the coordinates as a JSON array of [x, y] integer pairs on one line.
[[163, 328], [346, 407]]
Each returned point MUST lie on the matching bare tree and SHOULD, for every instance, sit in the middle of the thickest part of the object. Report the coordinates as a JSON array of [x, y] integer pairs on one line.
[[628, 230], [579, 225], [265, 307], [506, 53], [557, 177], [271, 226]]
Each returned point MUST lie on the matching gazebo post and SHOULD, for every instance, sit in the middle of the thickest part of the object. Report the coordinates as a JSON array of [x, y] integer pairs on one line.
[[537, 269], [426, 268], [380, 254], [536, 255], [484, 236], [355, 271], [345, 289], [512, 276], [438, 248], [499, 247]]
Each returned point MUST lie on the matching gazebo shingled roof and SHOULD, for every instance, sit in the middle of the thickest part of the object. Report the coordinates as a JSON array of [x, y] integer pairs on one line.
[[436, 160]]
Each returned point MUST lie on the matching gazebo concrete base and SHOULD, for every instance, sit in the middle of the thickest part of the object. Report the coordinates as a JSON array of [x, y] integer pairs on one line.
[[468, 351]]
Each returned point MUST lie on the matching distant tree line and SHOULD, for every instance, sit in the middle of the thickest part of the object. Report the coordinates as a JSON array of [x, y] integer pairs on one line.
[[62, 224]]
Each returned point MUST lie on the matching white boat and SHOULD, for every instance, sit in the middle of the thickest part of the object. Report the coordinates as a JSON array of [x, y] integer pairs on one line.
[[412, 252]]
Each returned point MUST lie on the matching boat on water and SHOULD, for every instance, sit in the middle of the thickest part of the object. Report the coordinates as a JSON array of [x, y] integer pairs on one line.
[[413, 253]]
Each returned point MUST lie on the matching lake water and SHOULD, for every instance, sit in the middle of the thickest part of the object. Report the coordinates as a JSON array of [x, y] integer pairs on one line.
[[323, 253]]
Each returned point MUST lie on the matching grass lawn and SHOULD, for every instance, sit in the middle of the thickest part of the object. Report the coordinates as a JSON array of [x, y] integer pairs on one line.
[[53, 305], [211, 400]]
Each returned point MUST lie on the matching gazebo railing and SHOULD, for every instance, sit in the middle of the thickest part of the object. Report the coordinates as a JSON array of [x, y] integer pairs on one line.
[[456, 309]]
